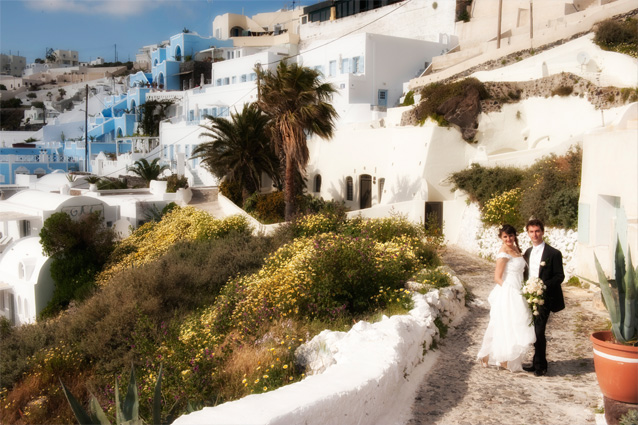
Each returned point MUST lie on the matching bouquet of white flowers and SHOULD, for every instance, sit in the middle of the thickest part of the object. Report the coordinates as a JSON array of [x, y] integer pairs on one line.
[[534, 293]]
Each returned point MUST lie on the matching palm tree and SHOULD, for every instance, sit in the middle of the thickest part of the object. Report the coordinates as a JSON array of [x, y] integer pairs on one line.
[[239, 149], [147, 171], [296, 100]]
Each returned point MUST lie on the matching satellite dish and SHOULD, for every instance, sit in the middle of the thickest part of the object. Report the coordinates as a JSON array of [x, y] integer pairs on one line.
[[582, 58]]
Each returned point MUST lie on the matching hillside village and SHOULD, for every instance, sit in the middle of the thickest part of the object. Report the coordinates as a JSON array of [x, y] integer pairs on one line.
[[383, 160]]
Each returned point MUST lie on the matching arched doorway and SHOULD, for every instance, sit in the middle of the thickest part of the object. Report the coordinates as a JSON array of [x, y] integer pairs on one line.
[[178, 53], [365, 191]]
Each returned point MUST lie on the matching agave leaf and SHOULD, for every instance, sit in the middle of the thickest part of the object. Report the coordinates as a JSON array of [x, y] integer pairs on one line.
[[130, 407], [118, 408], [137, 421], [630, 324], [610, 300], [157, 399], [79, 412], [620, 287], [97, 414]]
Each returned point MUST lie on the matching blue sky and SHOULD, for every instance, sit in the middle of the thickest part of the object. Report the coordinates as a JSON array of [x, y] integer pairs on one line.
[[94, 27]]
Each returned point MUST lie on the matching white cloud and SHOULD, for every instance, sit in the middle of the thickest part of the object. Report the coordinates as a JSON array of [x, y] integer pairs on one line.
[[118, 8]]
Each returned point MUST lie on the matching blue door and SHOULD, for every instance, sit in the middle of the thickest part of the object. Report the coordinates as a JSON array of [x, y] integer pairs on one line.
[[383, 98]]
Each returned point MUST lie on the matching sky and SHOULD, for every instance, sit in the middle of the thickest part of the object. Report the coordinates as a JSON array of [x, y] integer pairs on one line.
[[100, 27]]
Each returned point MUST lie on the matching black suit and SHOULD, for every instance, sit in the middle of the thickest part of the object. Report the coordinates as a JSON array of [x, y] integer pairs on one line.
[[552, 275]]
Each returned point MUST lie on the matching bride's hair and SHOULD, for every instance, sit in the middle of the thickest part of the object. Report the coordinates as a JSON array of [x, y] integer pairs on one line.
[[508, 229]]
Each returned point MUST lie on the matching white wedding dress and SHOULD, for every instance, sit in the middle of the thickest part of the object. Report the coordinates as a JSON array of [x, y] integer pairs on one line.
[[509, 334]]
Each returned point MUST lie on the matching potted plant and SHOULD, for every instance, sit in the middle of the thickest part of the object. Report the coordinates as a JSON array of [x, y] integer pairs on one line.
[[616, 351], [92, 181]]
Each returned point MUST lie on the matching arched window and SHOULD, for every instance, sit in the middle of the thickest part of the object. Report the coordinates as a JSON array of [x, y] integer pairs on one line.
[[349, 189], [318, 183]]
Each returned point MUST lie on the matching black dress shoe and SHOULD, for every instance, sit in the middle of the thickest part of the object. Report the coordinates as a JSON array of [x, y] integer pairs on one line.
[[540, 372], [530, 368]]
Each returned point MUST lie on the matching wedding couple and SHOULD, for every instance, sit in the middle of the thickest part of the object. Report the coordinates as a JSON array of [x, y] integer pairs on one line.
[[512, 327]]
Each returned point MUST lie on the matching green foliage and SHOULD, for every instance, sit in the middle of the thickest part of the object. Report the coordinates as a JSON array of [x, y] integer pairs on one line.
[[296, 100], [551, 189], [231, 190], [79, 249], [409, 99], [148, 171], [432, 278], [175, 182], [267, 207], [3, 87], [618, 36], [629, 418], [463, 16], [483, 183], [153, 112], [127, 411], [443, 328], [621, 297], [239, 149], [563, 91], [93, 179], [32, 95], [504, 208], [435, 94], [106, 183]]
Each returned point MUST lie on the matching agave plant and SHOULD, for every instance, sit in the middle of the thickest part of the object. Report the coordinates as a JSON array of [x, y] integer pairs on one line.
[[126, 412], [621, 297]]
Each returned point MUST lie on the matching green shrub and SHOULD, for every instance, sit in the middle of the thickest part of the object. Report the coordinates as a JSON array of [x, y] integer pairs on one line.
[[435, 94], [483, 183], [563, 91], [618, 36], [552, 188], [270, 207], [174, 182], [409, 99], [432, 278], [504, 209], [79, 249], [232, 190]]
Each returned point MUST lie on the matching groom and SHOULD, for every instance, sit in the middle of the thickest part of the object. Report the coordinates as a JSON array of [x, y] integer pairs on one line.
[[545, 263]]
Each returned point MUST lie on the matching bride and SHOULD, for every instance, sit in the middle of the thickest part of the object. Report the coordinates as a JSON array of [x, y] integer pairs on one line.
[[509, 334]]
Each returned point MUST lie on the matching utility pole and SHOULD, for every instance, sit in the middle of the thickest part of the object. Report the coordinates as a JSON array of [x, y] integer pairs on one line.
[[531, 20], [86, 131], [115, 52], [500, 12]]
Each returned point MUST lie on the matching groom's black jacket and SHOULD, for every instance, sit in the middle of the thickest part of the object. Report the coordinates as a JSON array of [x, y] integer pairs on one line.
[[552, 275]]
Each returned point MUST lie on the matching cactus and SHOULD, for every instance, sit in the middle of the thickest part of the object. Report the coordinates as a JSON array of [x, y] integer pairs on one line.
[[621, 297], [127, 412]]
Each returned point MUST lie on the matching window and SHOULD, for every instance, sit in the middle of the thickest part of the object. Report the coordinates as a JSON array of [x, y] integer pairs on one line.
[[349, 189], [223, 112], [345, 66], [218, 82], [234, 80], [243, 78], [318, 183], [253, 77], [238, 53], [332, 69], [357, 65], [25, 228], [381, 184], [319, 68], [226, 81]]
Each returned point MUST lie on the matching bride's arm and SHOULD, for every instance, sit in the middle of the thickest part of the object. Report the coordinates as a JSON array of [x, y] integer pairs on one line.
[[500, 268]]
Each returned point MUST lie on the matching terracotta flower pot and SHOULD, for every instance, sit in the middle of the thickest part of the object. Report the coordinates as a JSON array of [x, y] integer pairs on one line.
[[616, 368]]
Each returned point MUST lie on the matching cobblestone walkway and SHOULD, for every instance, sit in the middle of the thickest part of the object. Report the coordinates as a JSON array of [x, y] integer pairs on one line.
[[459, 391]]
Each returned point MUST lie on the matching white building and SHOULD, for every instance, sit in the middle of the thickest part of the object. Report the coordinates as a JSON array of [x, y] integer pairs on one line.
[[12, 64], [608, 204], [66, 58], [26, 286]]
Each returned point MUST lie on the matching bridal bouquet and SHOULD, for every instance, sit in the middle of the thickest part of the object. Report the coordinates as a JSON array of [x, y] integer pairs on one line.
[[534, 293]]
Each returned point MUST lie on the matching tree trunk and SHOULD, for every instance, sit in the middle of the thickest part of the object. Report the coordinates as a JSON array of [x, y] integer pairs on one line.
[[289, 188]]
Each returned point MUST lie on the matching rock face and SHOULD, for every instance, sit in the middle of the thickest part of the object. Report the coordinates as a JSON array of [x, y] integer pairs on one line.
[[463, 111]]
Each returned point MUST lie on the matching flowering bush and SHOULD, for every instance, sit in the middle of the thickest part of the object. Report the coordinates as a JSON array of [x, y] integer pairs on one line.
[[154, 239], [534, 293], [504, 208]]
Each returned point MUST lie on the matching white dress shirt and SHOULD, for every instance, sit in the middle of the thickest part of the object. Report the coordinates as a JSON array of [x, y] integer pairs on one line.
[[535, 259]]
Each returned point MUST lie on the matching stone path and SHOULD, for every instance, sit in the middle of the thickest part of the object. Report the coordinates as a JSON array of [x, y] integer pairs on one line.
[[459, 391]]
